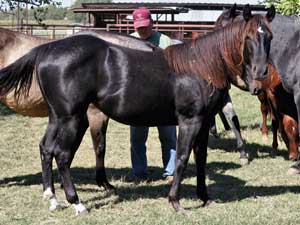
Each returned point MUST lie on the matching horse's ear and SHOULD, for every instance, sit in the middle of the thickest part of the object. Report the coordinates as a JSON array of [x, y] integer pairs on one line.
[[247, 14], [271, 13], [233, 11]]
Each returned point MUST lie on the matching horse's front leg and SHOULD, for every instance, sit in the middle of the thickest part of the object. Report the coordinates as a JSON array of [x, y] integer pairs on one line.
[[200, 152], [98, 122], [296, 90], [264, 108], [231, 116], [188, 130]]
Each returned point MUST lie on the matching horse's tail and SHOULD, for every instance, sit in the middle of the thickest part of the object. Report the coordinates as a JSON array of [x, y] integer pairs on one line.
[[18, 75]]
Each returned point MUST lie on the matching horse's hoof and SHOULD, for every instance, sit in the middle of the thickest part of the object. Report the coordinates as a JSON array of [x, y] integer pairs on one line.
[[209, 202], [106, 185], [244, 161], [55, 207], [177, 207], [264, 139], [293, 157], [293, 170], [80, 209]]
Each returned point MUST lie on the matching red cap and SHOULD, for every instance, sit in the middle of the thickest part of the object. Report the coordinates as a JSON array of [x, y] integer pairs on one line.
[[141, 17]]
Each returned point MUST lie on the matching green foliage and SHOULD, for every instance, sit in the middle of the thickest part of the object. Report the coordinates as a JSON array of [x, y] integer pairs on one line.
[[38, 7], [79, 2], [285, 7]]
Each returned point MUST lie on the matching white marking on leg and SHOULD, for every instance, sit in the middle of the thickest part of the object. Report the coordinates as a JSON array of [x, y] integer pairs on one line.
[[49, 196], [79, 208], [54, 204]]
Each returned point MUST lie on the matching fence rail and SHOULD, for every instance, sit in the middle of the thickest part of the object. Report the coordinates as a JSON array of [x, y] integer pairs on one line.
[[54, 31]]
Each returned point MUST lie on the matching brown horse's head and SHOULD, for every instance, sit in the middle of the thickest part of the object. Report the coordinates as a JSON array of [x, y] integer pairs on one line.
[[236, 53], [256, 46]]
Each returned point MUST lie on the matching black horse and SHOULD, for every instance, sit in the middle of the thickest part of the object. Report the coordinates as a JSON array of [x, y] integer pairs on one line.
[[184, 84], [284, 53]]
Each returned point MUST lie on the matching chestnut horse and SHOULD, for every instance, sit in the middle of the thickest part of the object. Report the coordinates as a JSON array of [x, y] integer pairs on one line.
[[284, 112], [183, 84]]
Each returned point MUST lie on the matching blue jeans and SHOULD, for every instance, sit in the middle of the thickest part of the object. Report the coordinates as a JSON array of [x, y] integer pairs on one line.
[[138, 138]]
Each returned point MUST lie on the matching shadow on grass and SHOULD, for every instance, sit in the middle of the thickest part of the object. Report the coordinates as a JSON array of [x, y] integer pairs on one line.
[[229, 145], [225, 188]]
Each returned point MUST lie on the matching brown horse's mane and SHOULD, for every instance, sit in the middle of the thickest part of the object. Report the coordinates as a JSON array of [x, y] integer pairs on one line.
[[216, 55]]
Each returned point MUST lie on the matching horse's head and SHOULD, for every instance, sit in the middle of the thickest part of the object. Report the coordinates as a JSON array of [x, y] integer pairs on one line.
[[228, 16], [256, 44]]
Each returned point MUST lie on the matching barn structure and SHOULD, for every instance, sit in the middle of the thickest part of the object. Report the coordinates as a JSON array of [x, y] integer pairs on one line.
[[176, 19]]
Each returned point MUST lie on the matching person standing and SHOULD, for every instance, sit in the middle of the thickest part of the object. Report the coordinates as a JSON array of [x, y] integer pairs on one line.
[[143, 26]]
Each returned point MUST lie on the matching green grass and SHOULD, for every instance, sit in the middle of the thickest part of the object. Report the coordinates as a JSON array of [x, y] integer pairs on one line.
[[259, 193]]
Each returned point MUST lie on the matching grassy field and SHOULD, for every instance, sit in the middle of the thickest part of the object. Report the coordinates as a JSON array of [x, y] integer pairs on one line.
[[259, 193]]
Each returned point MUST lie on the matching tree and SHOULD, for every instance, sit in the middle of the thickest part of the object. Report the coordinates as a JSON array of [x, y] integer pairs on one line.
[[285, 7], [39, 6]]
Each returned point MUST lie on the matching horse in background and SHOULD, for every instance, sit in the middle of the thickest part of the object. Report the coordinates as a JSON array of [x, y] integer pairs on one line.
[[183, 85], [223, 20], [284, 64], [284, 112]]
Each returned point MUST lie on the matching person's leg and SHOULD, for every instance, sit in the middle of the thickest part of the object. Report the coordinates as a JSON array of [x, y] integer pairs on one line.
[[167, 137], [138, 138]]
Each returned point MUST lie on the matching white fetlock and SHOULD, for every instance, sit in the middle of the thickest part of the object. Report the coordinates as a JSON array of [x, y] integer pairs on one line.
[[54, 205], [49, 196], [80, 209]]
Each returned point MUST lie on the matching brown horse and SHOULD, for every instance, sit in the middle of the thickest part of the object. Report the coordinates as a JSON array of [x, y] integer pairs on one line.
[[223, 20], [284, 112], [13, 45]]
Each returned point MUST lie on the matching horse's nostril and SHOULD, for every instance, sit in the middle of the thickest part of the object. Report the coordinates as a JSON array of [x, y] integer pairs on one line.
[[266, 72]]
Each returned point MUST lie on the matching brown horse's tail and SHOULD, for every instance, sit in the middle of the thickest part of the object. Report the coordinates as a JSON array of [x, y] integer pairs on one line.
[[18, 75]]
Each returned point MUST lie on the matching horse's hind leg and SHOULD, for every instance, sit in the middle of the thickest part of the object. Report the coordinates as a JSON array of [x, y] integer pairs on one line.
[[98, 124], [291, 131], [234, 121], [46, 153], [70, 131]]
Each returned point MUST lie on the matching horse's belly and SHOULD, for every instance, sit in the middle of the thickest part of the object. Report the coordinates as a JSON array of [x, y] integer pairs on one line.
[[31, 105]]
